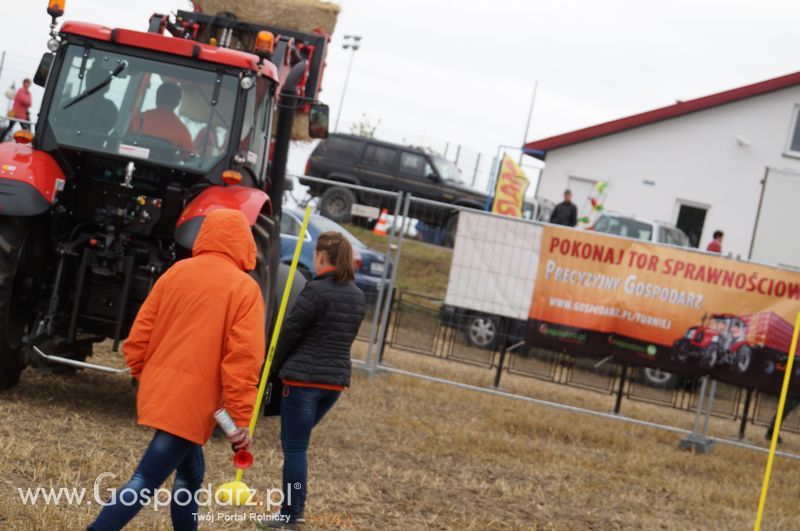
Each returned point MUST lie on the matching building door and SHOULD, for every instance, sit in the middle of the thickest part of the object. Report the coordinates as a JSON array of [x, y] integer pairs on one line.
[[691, 219], [774, 238]]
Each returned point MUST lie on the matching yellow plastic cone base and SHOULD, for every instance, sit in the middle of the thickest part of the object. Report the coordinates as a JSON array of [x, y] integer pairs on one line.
[[233, 493]]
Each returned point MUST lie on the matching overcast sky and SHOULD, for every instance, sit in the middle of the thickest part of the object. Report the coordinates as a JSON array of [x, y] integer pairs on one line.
[[436, 71]]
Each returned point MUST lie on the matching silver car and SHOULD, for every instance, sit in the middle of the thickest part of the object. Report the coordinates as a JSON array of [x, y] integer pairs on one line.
[[654, 231]]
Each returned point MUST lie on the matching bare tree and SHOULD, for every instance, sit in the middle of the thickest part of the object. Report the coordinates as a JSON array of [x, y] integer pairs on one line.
[[366, 126]]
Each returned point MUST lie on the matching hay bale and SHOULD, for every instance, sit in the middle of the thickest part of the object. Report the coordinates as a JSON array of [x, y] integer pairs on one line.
[[300, 128], [298, 15]]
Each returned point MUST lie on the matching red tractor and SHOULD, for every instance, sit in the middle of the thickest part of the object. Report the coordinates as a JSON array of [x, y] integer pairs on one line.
[[720, 340], [140, 135]]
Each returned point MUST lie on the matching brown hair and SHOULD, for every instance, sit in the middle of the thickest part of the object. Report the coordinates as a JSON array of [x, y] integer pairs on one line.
[[339, 253]]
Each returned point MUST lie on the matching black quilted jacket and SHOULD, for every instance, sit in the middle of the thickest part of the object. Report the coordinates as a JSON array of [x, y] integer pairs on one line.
[[317, 335]]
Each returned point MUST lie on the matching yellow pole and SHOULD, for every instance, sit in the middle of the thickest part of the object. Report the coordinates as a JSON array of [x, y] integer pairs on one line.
[[777, 428], [287, 290]]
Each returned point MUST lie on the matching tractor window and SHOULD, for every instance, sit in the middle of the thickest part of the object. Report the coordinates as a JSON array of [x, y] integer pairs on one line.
[[256, 129], [151, 110]]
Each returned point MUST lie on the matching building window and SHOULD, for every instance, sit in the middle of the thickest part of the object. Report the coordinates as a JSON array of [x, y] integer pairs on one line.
[[793, 147]]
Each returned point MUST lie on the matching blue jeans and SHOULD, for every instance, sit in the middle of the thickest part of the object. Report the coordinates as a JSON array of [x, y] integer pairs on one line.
[[301, 409], [165, 453]]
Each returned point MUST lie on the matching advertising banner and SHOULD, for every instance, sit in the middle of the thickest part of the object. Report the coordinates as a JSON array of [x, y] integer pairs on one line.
[[494, 265], [683, 311], [509, 193]]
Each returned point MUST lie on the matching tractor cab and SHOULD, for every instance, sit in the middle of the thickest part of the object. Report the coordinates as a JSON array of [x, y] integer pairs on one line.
[[140, 135], [120, 96]]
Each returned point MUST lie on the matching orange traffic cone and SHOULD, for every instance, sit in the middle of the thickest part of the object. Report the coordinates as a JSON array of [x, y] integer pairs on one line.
[[383, 224]]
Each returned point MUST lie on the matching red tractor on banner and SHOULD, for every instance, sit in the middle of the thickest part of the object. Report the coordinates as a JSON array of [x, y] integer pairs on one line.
[[140, 135], [718, 341]]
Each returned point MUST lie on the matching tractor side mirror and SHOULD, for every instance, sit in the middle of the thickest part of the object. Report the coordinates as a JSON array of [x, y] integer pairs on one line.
[[318, 121], [40, 78]]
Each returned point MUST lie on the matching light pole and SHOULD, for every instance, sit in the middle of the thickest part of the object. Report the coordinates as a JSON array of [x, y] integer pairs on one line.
[[351, 42]]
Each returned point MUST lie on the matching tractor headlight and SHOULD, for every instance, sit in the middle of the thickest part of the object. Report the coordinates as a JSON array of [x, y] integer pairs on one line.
[[53, 45], [247, 82]]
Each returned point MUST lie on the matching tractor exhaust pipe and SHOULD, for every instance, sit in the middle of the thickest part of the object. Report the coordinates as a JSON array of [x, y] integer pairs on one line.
[[78, 364], [288, 104]]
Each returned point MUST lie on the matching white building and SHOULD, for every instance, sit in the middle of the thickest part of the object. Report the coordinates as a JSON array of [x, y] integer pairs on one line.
[[700, 164]]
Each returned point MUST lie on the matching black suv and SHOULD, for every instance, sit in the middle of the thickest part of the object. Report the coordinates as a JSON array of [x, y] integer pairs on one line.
[[376, 164]]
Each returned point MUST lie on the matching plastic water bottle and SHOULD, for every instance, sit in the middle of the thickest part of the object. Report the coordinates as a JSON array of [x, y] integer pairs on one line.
[[225, 422]]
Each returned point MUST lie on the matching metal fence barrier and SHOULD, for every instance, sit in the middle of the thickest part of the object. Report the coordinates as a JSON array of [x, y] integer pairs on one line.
[[407, 311], [358, 210]]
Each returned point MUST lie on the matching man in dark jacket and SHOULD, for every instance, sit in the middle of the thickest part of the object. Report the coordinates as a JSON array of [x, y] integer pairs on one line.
[[565, 213]]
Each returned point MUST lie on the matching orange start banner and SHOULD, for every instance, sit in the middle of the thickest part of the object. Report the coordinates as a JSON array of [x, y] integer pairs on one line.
[[683, 311]]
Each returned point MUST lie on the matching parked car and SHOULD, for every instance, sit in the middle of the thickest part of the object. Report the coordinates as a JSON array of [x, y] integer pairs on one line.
[[370, 264], [654, 231], [386, 166]]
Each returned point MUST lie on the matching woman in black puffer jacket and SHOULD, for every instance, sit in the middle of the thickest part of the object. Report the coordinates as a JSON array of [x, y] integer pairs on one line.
[[315, 344]]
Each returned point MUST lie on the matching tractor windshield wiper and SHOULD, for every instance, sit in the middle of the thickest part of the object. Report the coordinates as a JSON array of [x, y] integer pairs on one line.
[[91, 90]]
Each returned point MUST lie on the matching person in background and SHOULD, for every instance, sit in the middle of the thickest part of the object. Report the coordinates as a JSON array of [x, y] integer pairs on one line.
[[162, 122], [20, 109], [313, 360], [565, 213], [790, 405], [715, 246], [196, 346]]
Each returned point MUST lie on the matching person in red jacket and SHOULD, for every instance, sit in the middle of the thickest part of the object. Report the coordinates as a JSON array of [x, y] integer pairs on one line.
[[162, 122], [715, 246], [196, 346], [20, 109]]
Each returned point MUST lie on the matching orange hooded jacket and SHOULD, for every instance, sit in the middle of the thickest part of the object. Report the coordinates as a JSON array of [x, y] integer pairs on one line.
[[198, 340]]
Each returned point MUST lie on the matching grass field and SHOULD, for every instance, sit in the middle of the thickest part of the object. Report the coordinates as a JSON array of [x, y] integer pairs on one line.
[[424, 268], [398, 453]]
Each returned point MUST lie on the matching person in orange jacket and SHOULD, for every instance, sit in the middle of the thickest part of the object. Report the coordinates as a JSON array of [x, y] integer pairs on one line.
[[197, 345]]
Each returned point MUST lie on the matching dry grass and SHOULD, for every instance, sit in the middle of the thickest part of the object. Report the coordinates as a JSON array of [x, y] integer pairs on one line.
[[398, 453]]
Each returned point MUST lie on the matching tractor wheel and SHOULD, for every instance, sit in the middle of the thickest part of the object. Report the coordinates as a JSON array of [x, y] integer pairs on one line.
[[679, 353], [708, 358], [450, 229], [743, 358], [336, 204], [18, 272], [268, 259]]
